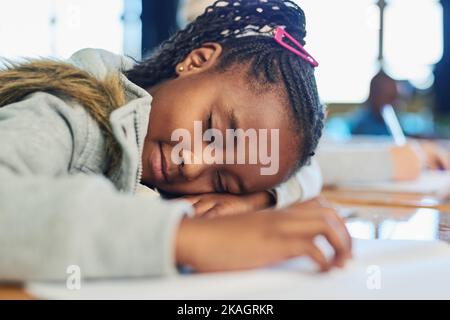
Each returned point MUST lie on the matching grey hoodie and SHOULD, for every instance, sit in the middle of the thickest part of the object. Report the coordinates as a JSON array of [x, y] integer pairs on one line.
[[56, 209]]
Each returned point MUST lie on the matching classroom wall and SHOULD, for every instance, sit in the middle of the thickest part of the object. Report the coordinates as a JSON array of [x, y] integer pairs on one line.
[[442, 71]]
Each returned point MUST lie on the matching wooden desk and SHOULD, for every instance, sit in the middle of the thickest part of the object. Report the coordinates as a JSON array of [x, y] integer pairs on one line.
[[368, 222], [385, 199], [13, 293]]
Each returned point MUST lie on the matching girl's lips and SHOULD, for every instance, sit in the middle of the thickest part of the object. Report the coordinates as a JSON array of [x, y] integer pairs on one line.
[[156, 163], [164, 164]]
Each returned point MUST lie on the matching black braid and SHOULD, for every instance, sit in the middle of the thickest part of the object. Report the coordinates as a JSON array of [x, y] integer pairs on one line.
[[227, 23]]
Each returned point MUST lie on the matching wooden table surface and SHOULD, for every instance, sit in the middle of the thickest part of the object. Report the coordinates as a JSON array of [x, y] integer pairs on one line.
[[372, 216], [386, 199], [11, 292]]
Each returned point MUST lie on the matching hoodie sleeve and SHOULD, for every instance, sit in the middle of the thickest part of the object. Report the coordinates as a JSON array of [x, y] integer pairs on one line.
[[305, 185], [50, 220]]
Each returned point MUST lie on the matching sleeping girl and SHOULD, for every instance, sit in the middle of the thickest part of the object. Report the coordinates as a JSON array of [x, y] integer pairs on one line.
[[79, 137]]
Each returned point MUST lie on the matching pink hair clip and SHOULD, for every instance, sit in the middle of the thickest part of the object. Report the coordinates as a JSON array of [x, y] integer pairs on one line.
[[302, 53]]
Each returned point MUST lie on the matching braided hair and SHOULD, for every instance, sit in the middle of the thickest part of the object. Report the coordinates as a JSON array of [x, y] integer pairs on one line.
[[244, 28]]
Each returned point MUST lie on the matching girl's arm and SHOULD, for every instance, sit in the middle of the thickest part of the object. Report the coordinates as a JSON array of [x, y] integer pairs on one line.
[[305, 185], [48, 224], [264, 238]]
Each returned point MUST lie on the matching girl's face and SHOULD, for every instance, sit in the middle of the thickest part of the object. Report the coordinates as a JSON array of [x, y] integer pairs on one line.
[[219, 100]]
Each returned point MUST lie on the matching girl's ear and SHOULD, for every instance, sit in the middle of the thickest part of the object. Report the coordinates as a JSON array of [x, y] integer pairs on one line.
[[200, 59]]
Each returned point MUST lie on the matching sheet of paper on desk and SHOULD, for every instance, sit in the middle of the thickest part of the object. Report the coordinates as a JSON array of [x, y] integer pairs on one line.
[[433, 183], [382, 269]]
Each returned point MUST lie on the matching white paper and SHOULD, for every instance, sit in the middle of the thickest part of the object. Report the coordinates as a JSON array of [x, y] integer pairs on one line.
[[403, 269]]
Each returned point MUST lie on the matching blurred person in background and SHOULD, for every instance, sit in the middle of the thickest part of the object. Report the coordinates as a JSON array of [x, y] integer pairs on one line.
[[368, 120]]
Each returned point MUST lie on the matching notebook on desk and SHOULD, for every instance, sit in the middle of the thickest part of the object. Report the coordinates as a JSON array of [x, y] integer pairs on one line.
[[382, 269], [431, 183]]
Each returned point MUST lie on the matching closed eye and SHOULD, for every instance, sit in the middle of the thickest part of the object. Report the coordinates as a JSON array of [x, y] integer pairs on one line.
[[210, 121], [220, 188], [210, 126]]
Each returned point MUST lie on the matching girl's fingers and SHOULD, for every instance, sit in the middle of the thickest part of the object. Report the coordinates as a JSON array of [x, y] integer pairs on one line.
[[192, 199], [305, 214], [332, 218], [339, 245], [212, 213], [345, 233], [202, 207], [317, 255], [311, 229], [337, 224], [306, 206]]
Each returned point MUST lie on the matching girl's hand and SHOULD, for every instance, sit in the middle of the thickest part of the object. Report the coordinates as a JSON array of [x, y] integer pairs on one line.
[[215, 204], [411, 159], [258, 240], [436, 157], [407, 162]]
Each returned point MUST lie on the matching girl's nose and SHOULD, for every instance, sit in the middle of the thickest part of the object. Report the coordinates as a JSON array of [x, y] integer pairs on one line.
[[192, 165]]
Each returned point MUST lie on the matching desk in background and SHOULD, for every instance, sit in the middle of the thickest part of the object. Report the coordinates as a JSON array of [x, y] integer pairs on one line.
[[13, 293], [385, 199]]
